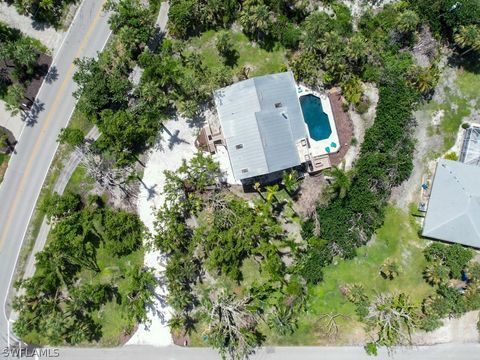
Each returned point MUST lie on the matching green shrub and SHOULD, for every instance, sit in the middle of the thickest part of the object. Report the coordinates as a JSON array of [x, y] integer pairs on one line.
[[311, 265], [362, 106], [348, 222], [451, 156], [465, 125], [450, 302], [455, 257], [430, 323], [371, 349]]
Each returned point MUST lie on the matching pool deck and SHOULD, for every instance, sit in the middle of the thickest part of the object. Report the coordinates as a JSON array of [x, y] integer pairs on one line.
[[318, 148], [343, 125]]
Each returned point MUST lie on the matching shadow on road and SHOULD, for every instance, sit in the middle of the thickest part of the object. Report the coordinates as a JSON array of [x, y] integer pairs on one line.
[[30, 117], [52, 75]]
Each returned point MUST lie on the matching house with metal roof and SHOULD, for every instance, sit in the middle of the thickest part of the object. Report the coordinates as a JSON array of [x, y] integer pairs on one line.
[[453, 212], [261, 122]]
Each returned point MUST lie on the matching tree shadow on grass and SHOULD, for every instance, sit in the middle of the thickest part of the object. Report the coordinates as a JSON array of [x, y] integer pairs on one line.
[[231, 58]]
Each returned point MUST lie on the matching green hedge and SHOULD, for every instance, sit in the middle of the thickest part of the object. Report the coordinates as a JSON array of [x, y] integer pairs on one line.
[[385, 161]]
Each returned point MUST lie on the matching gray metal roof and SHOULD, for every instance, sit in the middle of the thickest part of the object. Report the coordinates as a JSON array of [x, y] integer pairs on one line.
[[261, 120], [453, 213]]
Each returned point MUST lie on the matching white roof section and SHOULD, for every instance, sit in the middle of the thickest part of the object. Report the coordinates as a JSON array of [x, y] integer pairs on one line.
[[261, 121], [453, 213]]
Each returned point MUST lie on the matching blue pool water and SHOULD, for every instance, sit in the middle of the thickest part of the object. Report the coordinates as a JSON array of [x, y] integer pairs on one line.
[[317, 121]]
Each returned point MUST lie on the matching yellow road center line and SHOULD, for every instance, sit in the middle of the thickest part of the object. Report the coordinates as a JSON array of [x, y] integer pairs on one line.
[[48, 119]]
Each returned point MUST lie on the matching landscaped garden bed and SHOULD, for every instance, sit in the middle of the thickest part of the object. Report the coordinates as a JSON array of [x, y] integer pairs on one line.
[[23, 67]]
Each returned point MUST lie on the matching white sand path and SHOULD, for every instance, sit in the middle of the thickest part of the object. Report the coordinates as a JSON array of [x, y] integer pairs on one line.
[[177, 143]]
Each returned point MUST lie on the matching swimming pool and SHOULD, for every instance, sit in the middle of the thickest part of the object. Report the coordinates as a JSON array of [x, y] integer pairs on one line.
[[315, 118]]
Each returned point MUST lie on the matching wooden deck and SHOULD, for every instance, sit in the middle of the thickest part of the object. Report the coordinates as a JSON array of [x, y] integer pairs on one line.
[[344, 128]]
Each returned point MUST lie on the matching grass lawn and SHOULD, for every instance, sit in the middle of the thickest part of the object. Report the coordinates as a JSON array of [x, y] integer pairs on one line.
[[397, 239], [458, 106], [80, 183], [3, 165], [80, 121], [260, 61], [113, 316]]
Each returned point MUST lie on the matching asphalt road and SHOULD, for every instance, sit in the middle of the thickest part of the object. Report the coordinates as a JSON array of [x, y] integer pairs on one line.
[[37, 144], [438, 352]]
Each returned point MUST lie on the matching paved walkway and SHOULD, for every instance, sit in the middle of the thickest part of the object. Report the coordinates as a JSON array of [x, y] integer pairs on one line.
[[59, 187], [176, 144], [12, 123], [49, 37]]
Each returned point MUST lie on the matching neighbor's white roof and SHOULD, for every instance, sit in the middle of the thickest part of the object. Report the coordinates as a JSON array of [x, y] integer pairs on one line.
[[453, 213]]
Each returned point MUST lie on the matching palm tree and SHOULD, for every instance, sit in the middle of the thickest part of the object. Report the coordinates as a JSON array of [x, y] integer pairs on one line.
[[271, 193], [408, 21], [357, 48], [436, 274], [341, 181], [352, 89], [14, 98], [330, 42], [23, 55], [423, 79], [428, 305], [355, 293], [468, 37], [255, 19], [389, 269], [290, 181]]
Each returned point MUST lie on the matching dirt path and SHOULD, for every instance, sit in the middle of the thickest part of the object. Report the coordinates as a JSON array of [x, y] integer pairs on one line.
[[425, 145], [361, 123]]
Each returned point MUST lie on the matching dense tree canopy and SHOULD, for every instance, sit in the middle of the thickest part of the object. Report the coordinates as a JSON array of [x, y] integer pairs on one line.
[[209, 235], [62, 302]]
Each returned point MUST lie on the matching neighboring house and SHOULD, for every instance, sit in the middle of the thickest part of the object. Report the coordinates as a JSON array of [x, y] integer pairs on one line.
[[453, 212], [263, 128]]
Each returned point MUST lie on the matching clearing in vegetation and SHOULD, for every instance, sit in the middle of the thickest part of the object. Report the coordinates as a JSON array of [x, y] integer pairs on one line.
[[397, 240], [459, 105]]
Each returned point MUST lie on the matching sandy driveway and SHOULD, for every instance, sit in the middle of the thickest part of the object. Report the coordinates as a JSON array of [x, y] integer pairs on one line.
[[177, 143]]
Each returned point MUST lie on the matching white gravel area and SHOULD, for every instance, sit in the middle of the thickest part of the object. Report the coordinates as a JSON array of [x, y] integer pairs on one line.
[[49, 37], [177, 143], [458, 330]]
